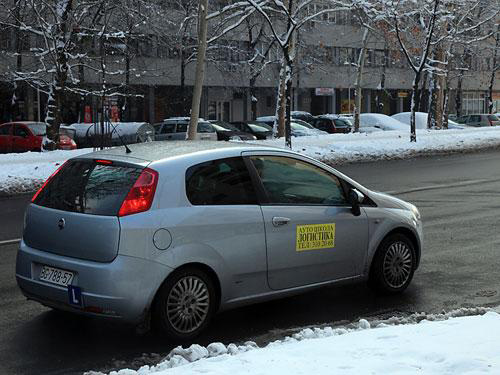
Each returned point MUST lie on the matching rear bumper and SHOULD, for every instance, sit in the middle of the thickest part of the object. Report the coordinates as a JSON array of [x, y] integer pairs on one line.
[[122, 289]]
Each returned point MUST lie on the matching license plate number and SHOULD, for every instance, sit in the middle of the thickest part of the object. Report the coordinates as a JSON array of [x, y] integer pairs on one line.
[[55, 276]]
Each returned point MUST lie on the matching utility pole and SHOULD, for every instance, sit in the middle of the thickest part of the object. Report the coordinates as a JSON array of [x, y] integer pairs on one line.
[[200, 70]]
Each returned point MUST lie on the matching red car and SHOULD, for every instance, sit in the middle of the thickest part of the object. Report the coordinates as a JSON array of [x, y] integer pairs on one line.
[[28, 136]]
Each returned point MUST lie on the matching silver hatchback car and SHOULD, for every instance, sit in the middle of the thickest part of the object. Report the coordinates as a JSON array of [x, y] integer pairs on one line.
[[175, 231]]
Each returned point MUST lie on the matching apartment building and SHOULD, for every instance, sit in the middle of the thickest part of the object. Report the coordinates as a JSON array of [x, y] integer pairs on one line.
[[323, 82]]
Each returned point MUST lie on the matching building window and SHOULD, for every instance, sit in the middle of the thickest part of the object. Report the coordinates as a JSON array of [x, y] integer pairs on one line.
[[473, 102]]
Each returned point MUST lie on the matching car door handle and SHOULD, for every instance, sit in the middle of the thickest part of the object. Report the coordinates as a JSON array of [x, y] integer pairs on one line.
[[278, 221]]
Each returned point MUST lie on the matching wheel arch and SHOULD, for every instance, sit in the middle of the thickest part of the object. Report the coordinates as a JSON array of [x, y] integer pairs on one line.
[[408, 233], [201, 266]]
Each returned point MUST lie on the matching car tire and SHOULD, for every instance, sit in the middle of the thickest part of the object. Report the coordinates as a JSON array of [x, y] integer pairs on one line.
[[185, 304], [393, 265]]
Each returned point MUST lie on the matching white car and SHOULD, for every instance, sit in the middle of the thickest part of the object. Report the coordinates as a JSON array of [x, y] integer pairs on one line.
[[372, 122], [421, 120]]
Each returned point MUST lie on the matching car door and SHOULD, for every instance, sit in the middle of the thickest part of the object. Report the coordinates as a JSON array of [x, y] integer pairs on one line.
[[22, 139], [474, 120], [180, 131], [311, 234], [6, 138], [342, 126], [325, 125], [225, 216], [167, 132]]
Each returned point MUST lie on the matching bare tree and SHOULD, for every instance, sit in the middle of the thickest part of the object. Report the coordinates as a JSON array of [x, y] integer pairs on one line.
[[413, 24], [200, 70]]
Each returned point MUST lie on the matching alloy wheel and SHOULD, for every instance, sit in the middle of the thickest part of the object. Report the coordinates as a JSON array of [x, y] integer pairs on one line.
[[188, 304], [397, 265]]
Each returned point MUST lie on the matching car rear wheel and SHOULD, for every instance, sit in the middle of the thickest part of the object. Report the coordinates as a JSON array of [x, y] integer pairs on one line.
[[393, 266], [185, 304]]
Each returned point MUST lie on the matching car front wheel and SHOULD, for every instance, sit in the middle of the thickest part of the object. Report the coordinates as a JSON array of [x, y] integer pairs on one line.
[[393, 266], [185, 304]]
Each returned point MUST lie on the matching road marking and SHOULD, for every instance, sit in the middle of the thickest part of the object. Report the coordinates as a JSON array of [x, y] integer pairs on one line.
[[10, 242], [441, 186]]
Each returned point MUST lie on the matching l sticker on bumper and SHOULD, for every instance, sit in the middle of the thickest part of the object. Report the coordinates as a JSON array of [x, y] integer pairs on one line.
[[315, 237]]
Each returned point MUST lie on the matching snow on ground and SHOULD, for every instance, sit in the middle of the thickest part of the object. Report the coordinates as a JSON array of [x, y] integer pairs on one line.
[[437, 344], [24, 172]]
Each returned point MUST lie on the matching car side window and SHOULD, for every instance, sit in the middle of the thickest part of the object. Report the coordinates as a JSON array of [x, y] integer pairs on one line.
[[291, 181], [168, 128], [182, 127], [323, 124], [20, 131], [5, 130], [341, 123], [220, 182]]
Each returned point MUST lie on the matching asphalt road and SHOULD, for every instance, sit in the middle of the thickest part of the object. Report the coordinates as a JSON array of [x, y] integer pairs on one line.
[[459, 198]]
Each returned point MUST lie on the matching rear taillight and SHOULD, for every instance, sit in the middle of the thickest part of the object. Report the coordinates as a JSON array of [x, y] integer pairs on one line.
[[140, 197], [47, 181]]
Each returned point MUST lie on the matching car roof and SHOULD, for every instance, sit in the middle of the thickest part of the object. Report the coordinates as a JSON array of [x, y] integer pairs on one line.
[[163, 150], [24, 122]]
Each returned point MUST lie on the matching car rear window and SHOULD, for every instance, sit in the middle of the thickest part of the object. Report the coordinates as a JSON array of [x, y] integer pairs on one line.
[[85, 186]]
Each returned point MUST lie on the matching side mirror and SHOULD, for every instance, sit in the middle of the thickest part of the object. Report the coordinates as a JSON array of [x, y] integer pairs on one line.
[[355, 199]]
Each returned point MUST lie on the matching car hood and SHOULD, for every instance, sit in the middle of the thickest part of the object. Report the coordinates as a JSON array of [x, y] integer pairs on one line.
[[388, 201], [237, 133]]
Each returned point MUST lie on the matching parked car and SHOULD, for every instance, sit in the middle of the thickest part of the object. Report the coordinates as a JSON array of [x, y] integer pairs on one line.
[[258, 129], [114, 134], [173, 233], [28, 136], [294, 115], [421, 120], [298, 128], [304, 129], [478, 120], [332, 124], [175, 128], [302, 115], [228, 132], [370, 122]]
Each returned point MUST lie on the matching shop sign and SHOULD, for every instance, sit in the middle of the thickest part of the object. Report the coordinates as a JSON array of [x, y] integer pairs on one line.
[[324, 91]]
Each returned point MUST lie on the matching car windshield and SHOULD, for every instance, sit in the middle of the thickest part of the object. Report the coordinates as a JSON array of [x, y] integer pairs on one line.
[[303, 123], [223, 126], [205, 127], [38, 128], [259, 127]]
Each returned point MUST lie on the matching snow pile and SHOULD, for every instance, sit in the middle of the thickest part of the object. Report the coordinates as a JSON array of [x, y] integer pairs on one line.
[[26, 172], [454, 343], [387, 145]]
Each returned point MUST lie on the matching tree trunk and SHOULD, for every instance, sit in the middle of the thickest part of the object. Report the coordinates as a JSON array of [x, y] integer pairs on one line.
[[431, 107], [359, 77], [494, 69], [413, 133], [279, 120], [253, 100], [458, 96], [183, 95], [200, 70], [288, 104]]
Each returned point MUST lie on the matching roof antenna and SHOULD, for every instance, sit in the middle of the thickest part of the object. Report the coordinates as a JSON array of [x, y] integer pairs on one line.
[[127, 150]]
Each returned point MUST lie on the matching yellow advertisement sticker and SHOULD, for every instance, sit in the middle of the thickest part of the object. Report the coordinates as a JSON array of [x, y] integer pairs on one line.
[[316, 236]]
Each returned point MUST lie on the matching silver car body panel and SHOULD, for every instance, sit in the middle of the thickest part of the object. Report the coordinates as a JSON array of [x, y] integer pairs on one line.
[[237, 243]]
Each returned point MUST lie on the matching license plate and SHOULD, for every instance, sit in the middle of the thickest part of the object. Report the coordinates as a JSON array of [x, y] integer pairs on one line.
[[55, 276]]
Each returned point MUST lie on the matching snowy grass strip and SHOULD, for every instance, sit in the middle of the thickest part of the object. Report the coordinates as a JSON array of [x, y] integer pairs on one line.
[[184, 356]]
